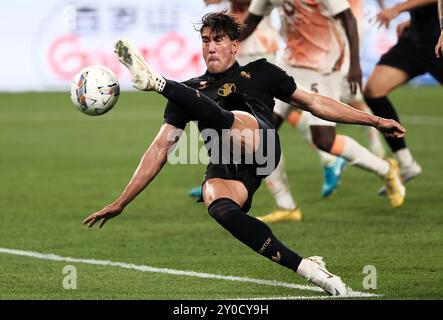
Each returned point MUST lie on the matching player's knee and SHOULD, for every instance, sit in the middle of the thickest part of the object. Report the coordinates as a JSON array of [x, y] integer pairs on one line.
[[323, 142], [374, 89], [244, 120]]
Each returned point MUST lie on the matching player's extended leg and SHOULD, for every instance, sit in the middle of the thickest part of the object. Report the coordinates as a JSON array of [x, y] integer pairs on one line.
[[382, 81], [224, 200], [325, 138]]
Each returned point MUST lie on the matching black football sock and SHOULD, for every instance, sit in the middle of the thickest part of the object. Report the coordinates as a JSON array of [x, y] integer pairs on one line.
[[382, 107], [198, 106], [252, 232]]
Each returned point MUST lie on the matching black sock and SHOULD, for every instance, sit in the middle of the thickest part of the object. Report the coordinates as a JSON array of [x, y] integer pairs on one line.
[[382, 107], [198, 106], [252, 232]]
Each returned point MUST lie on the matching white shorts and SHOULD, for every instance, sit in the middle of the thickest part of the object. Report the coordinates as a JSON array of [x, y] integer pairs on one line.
[[324, 84]]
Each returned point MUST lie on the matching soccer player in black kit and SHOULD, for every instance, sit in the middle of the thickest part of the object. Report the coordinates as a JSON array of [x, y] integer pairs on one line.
[[230, 100], [413, 55]]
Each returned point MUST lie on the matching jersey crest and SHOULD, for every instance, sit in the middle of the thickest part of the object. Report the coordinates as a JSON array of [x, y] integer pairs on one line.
[[226, 89]]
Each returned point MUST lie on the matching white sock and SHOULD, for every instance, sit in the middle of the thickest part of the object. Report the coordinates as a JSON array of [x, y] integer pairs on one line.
[[327, 159], [306, 268], [404, 157], [363, 158], [304, 129], [278, 185], [160, 83]]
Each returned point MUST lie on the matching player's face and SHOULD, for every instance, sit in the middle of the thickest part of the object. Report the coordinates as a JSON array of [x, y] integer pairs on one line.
[[218, 51]]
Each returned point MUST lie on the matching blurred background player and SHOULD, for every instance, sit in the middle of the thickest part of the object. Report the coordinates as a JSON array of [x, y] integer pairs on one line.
[[356, 100], [439, 45], [333, 166], [262, 43], [413, 55], [314, 53]]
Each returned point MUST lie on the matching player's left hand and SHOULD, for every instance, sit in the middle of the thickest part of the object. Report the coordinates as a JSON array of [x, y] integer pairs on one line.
[[390, 128], [439, 46], [385, 16], [108, 212]]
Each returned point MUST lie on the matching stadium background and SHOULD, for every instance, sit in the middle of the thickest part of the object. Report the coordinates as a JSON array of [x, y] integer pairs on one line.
[[54, 39], [57, 166]]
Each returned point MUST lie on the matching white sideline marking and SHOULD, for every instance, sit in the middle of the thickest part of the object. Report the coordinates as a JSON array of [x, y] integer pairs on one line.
[[351, 294], [143, 268]]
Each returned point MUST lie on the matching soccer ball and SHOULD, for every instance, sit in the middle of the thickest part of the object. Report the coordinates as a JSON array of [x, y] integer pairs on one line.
[[95, 90]]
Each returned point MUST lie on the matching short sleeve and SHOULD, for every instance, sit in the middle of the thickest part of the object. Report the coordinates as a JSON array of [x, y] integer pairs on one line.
[[175, 116], [337, 6], [281, 84], [260, 7]]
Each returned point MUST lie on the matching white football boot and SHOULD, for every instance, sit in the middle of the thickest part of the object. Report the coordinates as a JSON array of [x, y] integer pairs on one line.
[[320, 276], [143, 78]]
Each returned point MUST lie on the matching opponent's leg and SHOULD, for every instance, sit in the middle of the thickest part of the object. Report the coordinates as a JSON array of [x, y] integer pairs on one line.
[[375, 144], [278, 185], [326, 139], [382, 81]]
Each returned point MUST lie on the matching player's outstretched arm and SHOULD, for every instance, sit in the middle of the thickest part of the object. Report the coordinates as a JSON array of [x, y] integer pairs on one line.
[[150, 164], [333, 110]]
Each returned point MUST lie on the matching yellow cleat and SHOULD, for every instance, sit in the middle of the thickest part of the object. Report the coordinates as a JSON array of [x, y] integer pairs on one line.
[[396, 191], [282, 215]]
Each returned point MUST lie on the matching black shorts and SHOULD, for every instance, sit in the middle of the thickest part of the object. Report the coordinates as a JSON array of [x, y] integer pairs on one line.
[[414, 58], [250, 174]]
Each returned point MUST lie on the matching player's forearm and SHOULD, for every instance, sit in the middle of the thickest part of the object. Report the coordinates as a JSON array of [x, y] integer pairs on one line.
[[333, 110], [149, 166], [412, 4]]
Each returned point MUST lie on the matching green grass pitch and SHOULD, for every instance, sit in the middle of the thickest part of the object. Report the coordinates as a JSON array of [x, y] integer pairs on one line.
[[57, 166]]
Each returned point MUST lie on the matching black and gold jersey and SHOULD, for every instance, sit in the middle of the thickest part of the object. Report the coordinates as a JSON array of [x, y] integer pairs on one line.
[[251, 88]]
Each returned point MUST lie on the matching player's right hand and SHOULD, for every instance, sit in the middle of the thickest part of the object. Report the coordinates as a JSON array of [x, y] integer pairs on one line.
[[390, 128], [108, 212]]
